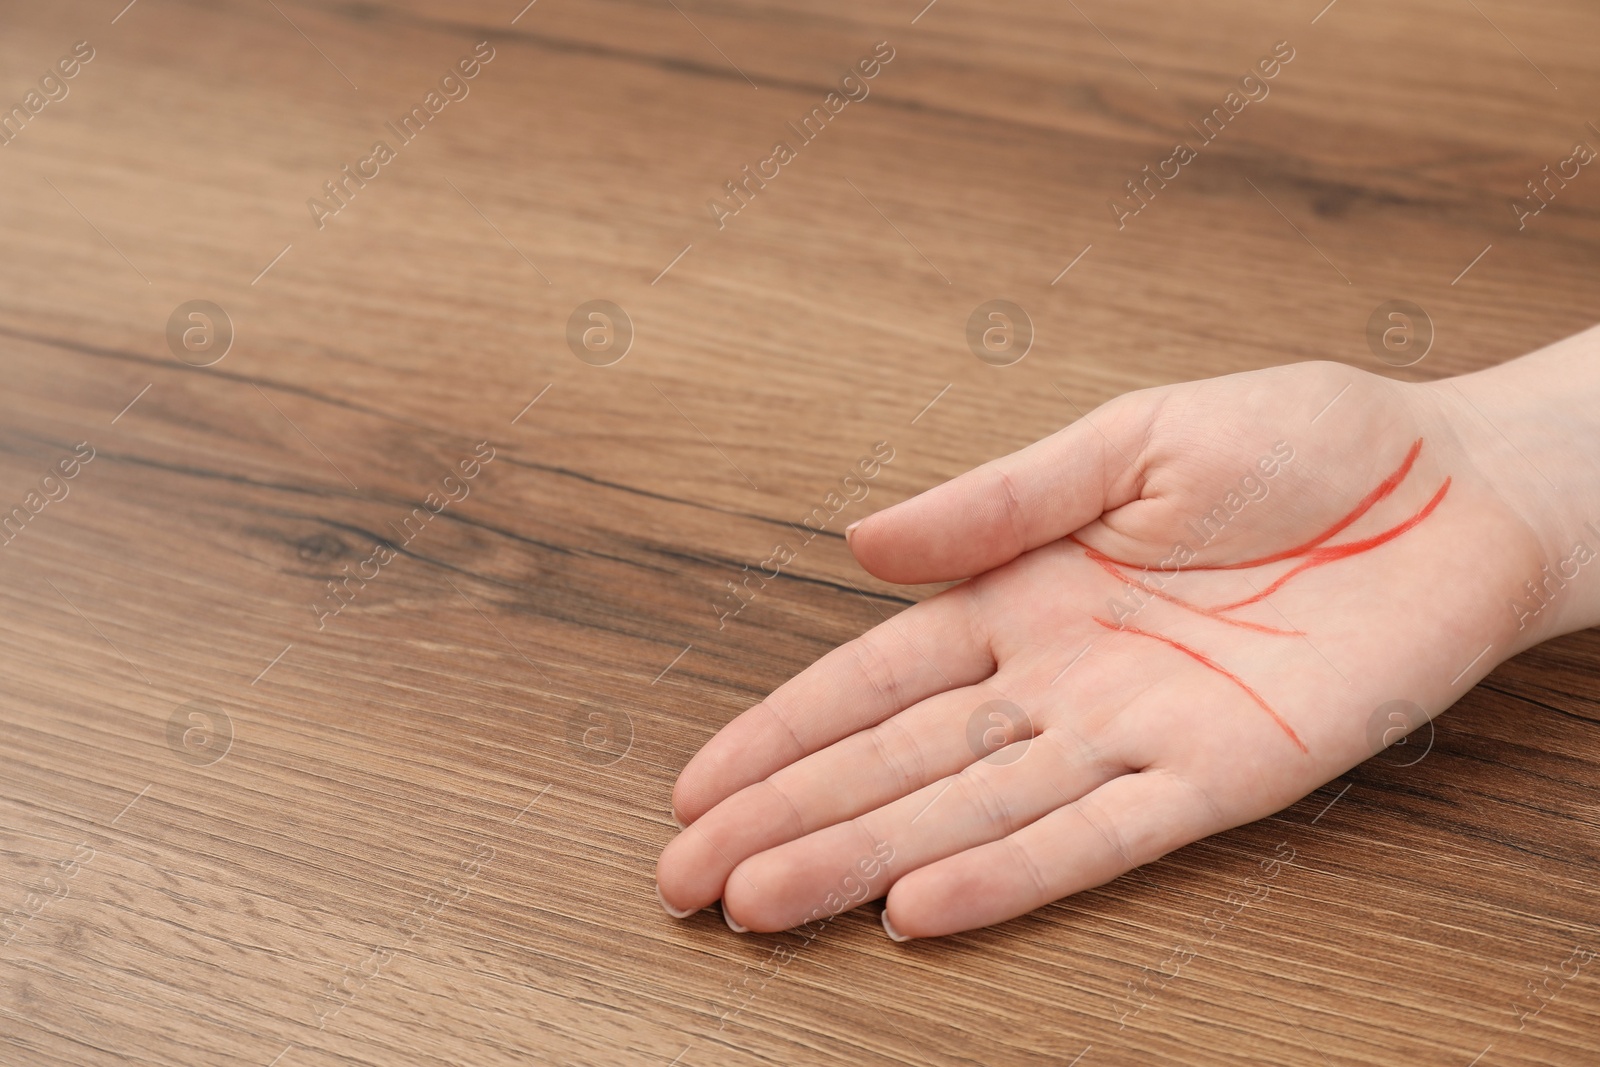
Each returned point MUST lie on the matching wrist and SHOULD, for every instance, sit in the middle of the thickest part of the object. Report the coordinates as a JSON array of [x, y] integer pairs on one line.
[[1531, 427]]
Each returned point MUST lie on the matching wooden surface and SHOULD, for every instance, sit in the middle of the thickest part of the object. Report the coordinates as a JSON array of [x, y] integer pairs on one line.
[[425, 833]]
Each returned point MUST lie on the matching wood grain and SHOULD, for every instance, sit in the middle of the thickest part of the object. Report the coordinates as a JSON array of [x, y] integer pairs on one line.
[[384, 840]]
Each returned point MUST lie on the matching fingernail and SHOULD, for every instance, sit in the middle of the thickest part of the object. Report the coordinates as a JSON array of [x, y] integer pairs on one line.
[[888, 928], [670, 910], [679, 823], [851, 529], [735, 927]]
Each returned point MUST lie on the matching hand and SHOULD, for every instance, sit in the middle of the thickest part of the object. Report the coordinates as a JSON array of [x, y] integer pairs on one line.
[[1184, 611]]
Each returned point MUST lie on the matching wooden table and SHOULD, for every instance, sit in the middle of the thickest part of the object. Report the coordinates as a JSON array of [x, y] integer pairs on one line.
[[240, 826]]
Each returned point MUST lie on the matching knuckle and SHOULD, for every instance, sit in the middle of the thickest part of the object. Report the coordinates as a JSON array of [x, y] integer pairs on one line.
[[1108, 829], [900, 752], [786, 805], [1026, 863], [776, 713], [876, 672], [1011, 499], [982, 796]]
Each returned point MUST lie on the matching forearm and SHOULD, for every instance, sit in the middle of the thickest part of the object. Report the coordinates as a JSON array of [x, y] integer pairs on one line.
[[1533, 426]]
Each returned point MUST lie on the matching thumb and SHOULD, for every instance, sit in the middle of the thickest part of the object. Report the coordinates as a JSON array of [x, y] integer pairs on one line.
[[992, 514]]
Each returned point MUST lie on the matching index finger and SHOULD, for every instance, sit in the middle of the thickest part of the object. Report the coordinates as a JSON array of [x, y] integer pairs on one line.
[[930, 647]]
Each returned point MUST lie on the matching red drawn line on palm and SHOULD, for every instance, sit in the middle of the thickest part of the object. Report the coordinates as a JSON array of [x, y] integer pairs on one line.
[[1321, 556], [1205, 661], [1317, 555], [1110, 566], [1313, 553], [1384, 490]]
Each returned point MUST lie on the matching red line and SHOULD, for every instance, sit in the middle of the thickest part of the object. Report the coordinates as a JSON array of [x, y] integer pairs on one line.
[[1206, 662], [1382, 492], [1110, 567], [1334, 553]]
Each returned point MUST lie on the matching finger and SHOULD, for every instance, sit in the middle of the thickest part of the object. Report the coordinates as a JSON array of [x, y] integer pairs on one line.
[[987, 801], [1125, 823], [873, 767], [930, 647], [994, 513]]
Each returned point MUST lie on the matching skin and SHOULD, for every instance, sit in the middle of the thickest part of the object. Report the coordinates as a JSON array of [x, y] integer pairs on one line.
[[1147, 702]]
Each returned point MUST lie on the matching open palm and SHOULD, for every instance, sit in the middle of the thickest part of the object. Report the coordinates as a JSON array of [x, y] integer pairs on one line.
[[1183, 613]]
